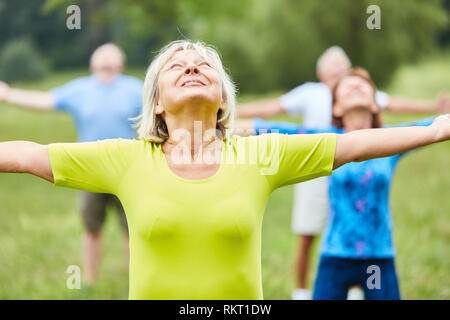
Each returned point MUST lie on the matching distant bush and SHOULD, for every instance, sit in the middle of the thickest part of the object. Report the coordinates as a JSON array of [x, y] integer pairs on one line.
[[271, 45], [20, 60]]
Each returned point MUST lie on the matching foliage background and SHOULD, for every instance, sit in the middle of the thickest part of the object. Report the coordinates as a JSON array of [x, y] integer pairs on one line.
[[277, 40]]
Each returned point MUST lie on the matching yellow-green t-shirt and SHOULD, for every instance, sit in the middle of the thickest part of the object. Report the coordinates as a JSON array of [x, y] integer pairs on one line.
[[194, 239]]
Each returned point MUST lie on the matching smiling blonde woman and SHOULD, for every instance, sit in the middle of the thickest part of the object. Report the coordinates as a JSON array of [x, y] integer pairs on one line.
[[195, 225]]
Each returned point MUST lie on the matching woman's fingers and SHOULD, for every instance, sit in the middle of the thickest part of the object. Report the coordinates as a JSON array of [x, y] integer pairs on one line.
[[442, 125], [3, 90], [443, 102]]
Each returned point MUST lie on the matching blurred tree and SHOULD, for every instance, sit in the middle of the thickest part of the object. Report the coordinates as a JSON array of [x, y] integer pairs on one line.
[[444, 39], [25, 19], [270, 44], [79, 44], [19, 60], [139, 27], [277, 43], [266, 44]]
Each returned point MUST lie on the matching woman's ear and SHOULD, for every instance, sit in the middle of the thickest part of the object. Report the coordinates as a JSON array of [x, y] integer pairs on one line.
[[159, 109], [337, 111], [375, 108]]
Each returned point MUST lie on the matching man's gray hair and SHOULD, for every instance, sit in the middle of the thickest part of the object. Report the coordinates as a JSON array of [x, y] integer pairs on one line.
[[330, 52]]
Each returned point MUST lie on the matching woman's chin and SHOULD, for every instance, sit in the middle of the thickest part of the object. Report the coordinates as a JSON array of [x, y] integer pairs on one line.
[[198, 97], [357, 104]]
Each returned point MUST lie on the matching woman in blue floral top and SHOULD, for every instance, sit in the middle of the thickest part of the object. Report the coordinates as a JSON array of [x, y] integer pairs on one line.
[[357, 245]]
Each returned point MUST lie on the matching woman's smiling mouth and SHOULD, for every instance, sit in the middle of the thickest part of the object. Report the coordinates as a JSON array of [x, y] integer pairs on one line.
[[189, 83]]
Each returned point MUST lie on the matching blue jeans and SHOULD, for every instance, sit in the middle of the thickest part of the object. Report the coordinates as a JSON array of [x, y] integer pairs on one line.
[[336, 275]]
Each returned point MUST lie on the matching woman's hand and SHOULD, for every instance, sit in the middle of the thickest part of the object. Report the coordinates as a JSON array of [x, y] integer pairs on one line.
[[4, 90], [443, 103], [442, 126], [39, 100]]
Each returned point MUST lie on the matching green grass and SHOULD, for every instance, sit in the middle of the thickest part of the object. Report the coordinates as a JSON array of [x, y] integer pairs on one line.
[[40, 229]]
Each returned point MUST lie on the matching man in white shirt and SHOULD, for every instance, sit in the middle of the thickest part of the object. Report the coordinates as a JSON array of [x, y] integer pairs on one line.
[[313, 100]]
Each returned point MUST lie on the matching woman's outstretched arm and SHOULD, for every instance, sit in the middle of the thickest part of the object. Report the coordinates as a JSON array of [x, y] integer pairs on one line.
[[25, 157], [363, 145]]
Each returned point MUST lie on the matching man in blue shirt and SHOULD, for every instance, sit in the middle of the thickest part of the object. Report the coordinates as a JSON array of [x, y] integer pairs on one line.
[[101, 106]]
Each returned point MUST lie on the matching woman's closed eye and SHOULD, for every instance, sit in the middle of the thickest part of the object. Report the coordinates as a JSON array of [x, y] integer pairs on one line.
[[175, 66], [205, 64]]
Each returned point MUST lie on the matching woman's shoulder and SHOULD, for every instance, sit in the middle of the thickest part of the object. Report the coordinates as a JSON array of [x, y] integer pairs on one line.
[[265, 141], [132, 150], [131, 145], [237, 140], [242, 144]]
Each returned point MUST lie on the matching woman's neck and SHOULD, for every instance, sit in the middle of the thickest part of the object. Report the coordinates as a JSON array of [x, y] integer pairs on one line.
[[192, 134], [357, 119]]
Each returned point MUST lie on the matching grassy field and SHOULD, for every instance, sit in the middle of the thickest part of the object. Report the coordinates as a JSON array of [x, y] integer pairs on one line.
[[40, 228]]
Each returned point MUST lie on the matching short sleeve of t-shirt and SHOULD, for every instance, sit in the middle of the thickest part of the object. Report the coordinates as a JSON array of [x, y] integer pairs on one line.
[[296, 100], [382, 99], [67, 94], [91, 166], [287, 159]]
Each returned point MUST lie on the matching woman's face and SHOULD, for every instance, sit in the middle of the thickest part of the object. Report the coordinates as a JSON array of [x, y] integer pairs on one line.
[[188, 80], [354, 92]]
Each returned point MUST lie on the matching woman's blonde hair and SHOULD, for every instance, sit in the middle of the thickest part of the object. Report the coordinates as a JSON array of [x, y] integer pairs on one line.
[[151, 126]]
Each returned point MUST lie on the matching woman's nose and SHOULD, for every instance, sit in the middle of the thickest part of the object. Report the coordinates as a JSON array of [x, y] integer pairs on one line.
[[191, 68], [355, 86]]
